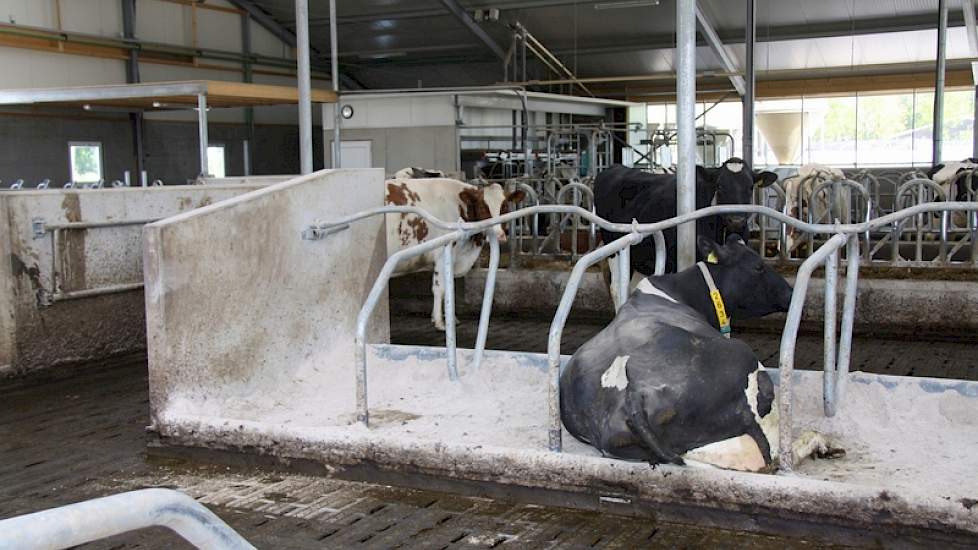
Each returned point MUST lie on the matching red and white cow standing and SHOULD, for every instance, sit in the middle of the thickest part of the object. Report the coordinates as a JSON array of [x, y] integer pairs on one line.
[[447, 200]]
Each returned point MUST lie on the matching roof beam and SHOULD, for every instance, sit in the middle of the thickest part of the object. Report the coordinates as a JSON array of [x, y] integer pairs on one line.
[[718, 48], [465, 19], [438, 12], [266, 21], [667, 41], [287, 36]]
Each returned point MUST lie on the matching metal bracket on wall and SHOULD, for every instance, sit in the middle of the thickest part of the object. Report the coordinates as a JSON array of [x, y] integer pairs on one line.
[[40, 229], [313, 233]]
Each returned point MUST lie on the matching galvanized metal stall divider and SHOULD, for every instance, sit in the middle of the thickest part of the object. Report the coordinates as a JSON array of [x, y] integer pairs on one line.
[[40, 228], [96, 519], [836, 359]]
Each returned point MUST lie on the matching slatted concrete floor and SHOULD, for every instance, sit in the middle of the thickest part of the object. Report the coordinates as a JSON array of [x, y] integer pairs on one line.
[[68, 437]]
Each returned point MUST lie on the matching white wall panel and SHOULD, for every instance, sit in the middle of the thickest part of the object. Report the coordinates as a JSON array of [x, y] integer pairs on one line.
[[35, 13], [33, 69], [219, 30], [162, 22], [265, 43], [101, 17]]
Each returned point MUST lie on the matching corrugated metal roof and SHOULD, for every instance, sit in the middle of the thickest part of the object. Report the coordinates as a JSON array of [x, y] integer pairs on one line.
[[386, 43]]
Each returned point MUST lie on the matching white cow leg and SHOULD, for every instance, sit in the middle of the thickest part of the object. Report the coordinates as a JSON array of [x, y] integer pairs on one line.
[[439, 300]]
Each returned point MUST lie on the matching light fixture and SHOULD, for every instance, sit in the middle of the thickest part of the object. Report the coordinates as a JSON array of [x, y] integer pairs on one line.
[[625, 4], [87, 107], [346, 111], [381, 55]]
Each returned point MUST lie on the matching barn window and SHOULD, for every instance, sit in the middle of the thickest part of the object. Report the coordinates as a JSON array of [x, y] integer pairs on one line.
[[216, 161], [86, 161]]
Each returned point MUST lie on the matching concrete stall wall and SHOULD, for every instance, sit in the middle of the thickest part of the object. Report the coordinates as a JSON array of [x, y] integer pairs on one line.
[[32, 336], [216, 334]]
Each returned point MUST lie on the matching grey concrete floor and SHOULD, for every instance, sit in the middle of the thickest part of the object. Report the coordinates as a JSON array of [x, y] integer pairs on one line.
[[74, 434]]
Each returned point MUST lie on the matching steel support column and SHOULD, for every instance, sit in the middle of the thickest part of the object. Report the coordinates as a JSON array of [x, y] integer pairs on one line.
[[305, 85], [202, 131], [939, 82], [132, 77], [334, 53], [685, 115], [249, 112], [747, 145]]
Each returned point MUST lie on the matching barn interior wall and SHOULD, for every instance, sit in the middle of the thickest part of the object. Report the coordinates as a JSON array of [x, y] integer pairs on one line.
[[395, 148], [34, 148]]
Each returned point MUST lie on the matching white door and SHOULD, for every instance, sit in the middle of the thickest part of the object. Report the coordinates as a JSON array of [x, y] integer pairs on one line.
[[355, 154]]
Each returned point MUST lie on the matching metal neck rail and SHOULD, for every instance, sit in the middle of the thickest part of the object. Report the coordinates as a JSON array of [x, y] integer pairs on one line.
[[836, 366], [83, 522]]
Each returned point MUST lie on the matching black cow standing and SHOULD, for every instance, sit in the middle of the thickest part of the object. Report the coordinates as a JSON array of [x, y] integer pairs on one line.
[[622, 194], [661, 384]]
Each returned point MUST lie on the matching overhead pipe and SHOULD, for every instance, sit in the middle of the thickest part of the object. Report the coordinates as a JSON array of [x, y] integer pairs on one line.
[[685, 125], [938, 136]]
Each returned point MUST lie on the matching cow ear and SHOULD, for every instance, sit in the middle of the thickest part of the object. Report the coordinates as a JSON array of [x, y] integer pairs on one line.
[[516, 197], [765, 178], [711, 250]]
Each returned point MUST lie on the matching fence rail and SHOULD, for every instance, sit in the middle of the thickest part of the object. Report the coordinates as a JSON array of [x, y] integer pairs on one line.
[[91, 520], [922, 242]]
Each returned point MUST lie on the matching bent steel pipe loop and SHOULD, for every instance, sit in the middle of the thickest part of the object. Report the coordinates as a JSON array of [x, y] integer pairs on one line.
[[848, 321], [921, 185], [645, 228], [557, 328], [534, 198], [487, 296], [360, 340], [448, 284], [624, 275], [788, 338], [96, 519], [828, 349]]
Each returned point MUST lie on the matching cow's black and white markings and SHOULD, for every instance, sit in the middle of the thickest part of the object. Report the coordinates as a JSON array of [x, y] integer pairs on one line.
[[661, 384], [953, 179], [624, 194]]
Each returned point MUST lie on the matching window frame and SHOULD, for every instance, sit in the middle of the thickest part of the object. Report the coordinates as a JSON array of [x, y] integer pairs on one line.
[[71, 160]]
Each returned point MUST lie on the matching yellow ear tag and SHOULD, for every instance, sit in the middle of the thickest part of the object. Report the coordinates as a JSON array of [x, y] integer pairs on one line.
[[712, 258]]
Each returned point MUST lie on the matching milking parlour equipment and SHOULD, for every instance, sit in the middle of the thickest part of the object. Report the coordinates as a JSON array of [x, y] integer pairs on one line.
[[837, 335], [565, 158]]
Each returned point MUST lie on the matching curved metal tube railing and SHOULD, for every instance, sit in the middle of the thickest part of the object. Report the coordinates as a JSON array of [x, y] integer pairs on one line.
[[91, 520], [836, 367]]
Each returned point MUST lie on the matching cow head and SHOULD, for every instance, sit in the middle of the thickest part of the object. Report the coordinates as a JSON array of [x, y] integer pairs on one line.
[[750, 288], [734, 183], [490, 201]]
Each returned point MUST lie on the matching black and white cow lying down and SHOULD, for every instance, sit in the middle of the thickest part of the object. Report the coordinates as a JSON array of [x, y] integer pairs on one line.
[[662, 384]]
